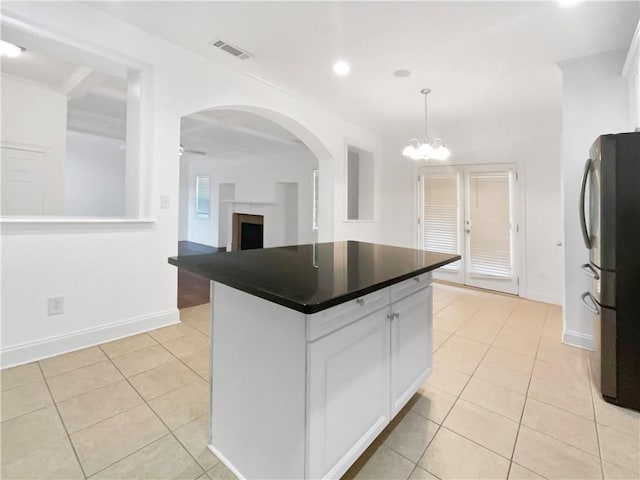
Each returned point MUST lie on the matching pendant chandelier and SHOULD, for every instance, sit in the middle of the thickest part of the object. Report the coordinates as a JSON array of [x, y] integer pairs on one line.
[[426, 151]]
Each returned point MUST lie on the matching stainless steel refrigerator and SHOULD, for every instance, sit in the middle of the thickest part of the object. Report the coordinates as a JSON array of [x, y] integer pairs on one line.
[[610, 218]]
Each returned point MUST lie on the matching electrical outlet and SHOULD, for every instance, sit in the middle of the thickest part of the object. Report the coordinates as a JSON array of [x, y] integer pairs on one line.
[[55, 305], [165, 201]]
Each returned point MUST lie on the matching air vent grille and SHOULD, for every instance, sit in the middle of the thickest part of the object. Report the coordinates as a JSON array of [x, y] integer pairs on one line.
[[231, 49]]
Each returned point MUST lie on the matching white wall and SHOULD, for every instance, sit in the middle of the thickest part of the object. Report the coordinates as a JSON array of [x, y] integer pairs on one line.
[[94, 176], [595, 102], [631, 71], [532, 141], [183, 202], [34, 116], [115, 277], [255, 179]]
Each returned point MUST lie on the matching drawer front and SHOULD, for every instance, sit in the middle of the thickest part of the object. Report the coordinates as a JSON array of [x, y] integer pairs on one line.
[[331, 319], [402, 289]]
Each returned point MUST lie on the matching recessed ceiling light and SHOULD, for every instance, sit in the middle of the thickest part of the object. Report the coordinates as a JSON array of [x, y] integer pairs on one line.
[[402, 73], [8, 49], [341, 68]]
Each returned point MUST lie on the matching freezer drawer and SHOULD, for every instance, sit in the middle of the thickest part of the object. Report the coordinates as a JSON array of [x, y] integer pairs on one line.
[[604, 358], [604, 285]]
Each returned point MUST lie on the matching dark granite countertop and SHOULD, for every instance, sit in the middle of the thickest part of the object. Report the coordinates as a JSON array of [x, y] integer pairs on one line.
[[311, 278]]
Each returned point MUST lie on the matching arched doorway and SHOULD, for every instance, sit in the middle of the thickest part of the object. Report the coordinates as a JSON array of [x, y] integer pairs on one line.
[[249, 178]]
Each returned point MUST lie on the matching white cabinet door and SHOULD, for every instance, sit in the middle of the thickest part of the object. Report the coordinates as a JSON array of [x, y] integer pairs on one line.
[[348, 397], [411, 346]]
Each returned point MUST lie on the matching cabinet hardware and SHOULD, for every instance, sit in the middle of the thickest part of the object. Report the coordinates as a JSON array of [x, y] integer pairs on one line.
[[360, 301]]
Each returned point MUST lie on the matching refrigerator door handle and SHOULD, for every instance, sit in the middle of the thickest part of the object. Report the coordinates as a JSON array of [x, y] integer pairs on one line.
[[583, 192], [588, 269], [594, 306]]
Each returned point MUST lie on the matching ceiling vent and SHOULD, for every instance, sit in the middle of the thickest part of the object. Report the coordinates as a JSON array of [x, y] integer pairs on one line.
[[231, 49]]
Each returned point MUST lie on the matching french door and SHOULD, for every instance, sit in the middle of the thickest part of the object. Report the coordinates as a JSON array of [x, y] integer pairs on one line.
[[471, 210]]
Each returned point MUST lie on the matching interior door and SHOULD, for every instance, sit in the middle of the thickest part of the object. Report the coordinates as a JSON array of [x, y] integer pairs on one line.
[[22, 181], [471, 211]]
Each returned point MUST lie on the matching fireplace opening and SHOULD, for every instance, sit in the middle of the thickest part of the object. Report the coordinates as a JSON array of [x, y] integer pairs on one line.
[[248, 231], [251, 236]]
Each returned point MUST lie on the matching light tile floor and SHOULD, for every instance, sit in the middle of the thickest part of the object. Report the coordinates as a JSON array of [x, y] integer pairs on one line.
[[506, 400]]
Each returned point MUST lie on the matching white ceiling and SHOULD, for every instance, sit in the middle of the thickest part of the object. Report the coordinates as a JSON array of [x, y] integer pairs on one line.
[[96, 88], [228, 133], [479, 58]]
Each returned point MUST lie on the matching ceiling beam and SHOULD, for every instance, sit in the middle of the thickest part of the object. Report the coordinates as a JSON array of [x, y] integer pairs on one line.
[[206, 120], [81, 82]]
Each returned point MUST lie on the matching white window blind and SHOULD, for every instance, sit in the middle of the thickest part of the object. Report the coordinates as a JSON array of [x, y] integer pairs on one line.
[[490, 242], [440, 229], [316, 207]]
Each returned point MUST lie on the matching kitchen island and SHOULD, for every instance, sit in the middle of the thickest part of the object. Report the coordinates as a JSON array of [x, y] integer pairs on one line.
[[314, 349]]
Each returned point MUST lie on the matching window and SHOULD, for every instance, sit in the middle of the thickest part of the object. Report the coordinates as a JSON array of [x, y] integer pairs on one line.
[[316, 206], [80, 113], [202, 196]]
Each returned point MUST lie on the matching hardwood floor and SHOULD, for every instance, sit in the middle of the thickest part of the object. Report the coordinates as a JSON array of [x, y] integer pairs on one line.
[[193, 289]]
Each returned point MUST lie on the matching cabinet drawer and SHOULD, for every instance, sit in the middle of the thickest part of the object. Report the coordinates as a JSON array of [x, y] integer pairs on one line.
[[402, 289], [326, 321]]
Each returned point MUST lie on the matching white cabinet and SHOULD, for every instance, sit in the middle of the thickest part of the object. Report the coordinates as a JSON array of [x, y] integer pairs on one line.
[[348, 405], [383, 358], [302, 396], [411, 346]]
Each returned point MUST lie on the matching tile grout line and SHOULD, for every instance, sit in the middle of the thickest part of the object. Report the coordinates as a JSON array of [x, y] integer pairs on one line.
[[595, 420], [129, 454], [415, 464], [441, 425], [208, 348], [73, 447], [73, 369], [112, 383], [171, 432], [526, 399]]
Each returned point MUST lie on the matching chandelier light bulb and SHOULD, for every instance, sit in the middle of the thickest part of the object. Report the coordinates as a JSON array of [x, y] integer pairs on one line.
[[426, 151], [409, 151]]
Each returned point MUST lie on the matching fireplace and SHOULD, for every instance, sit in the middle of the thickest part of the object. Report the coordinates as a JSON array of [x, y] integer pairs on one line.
[[248, 231]]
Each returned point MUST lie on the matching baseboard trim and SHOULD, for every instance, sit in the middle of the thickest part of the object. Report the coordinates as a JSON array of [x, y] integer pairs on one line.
[[543, 297], [225, 461], [577, 339], [48, 347]]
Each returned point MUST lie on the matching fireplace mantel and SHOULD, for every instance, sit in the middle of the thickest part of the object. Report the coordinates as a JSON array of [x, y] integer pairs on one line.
[[248, 202]]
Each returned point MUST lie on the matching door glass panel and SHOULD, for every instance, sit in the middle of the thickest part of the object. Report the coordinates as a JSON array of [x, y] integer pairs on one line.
[[440, 226], [490, 224]]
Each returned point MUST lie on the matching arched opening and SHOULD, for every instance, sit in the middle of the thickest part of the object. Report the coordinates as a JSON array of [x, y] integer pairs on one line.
[[249, 178]]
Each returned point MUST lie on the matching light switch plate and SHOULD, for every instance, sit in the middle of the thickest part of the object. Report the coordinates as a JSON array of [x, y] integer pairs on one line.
[[165, 202]]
